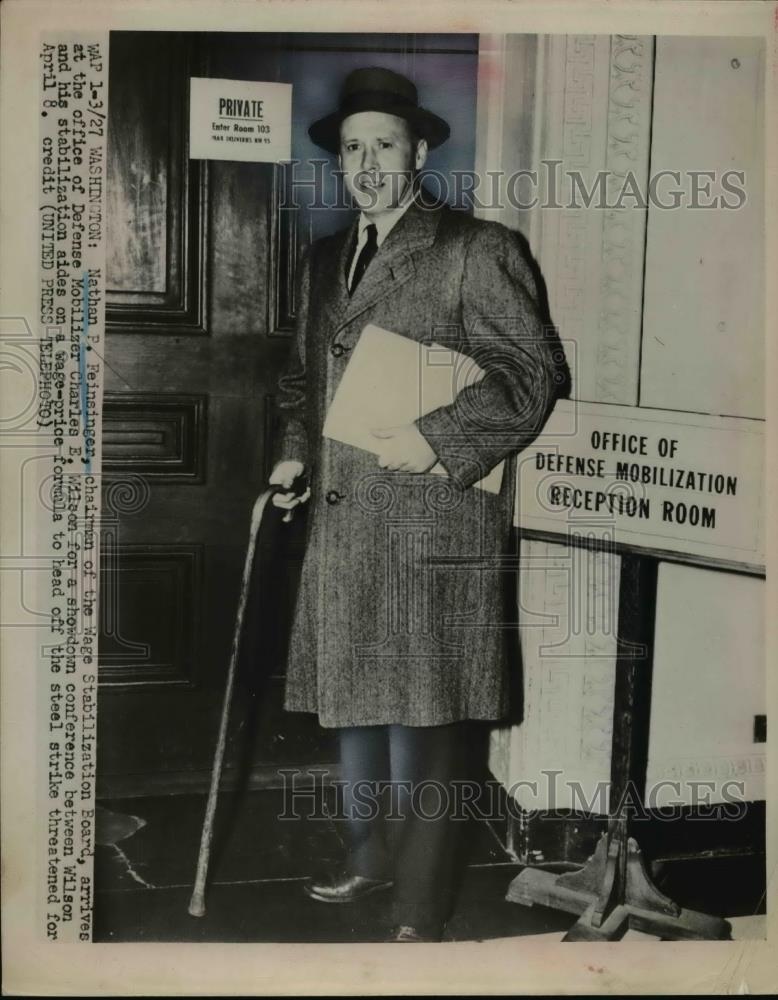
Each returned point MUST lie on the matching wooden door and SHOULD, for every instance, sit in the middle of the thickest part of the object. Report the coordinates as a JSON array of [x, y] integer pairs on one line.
[[199, 317], [200, 308]]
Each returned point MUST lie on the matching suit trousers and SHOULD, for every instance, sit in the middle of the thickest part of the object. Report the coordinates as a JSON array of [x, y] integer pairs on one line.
[[399, 800]]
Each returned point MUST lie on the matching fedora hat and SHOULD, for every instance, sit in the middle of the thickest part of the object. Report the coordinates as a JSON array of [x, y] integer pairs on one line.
[[379, 89]]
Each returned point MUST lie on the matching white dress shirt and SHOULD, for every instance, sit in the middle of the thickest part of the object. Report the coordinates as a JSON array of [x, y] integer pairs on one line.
[[384, 224]]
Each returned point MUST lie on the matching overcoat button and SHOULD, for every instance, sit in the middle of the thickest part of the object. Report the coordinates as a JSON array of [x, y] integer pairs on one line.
[[333, 497], [337, 350]]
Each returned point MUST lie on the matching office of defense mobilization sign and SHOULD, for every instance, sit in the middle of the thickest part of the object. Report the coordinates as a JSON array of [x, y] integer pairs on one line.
[[658, 480]]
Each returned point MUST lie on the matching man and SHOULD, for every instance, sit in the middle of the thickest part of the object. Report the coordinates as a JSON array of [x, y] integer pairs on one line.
[[397, 637]]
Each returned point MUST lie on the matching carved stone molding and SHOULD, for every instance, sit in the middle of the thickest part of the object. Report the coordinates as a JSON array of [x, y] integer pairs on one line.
[[624, 227], [568, 657], [595, 102]]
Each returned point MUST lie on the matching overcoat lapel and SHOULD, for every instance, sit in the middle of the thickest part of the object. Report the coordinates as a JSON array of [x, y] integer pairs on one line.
[[391, 267], [335, 298]]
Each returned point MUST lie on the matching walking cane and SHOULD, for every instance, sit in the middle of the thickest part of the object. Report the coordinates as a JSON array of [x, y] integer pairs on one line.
[[197, 902]]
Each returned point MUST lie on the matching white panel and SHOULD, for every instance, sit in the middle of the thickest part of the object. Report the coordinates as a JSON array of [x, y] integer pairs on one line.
[[703, 331], [708, 681]]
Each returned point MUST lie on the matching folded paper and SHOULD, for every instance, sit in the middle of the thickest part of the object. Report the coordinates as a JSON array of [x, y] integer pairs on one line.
[[392, 380]]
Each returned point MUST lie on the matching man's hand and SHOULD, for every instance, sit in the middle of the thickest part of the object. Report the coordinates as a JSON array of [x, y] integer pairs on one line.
[[284, 474], [404, 449]]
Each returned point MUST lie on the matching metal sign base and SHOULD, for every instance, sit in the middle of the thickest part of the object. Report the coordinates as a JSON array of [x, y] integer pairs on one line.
[[614, 893]]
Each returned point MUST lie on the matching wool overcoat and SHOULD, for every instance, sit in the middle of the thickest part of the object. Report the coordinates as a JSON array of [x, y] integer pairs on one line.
[[400, 615]]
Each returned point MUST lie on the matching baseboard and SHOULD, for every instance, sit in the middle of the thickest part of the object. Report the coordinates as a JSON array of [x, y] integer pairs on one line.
[[689, 832]]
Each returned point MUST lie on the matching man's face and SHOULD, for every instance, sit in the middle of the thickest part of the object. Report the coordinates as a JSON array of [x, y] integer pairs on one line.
[[378, 158]]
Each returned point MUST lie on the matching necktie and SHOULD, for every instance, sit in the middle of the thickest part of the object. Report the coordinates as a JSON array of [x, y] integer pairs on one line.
[[366, 254]]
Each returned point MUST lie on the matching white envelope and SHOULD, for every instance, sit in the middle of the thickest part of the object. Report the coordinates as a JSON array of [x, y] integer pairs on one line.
[[391, 380]]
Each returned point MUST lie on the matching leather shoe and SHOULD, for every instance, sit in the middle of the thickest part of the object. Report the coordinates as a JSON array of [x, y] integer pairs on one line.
[[341, 887], [407, 932]]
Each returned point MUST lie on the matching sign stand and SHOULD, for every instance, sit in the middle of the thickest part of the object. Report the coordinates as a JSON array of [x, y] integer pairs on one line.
[[613, 892]]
